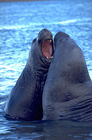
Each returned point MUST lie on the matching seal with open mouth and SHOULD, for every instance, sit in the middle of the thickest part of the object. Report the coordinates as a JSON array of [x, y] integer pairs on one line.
[[67, 91], [25, 100]]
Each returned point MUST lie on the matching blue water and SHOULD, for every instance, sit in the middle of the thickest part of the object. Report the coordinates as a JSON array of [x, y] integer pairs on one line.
[[20, 22]]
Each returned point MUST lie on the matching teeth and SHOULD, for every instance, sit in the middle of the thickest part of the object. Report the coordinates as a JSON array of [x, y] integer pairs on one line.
[[48, 57], [50, 40]]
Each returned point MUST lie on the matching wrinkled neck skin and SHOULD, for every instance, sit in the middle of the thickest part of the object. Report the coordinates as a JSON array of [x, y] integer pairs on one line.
[[38, 63]]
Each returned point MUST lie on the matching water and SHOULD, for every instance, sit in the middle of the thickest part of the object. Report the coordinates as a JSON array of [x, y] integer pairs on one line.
[[20, 22]]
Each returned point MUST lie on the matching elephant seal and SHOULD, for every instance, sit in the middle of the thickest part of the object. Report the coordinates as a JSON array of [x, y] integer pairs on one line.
[[67, 92], [25, 100]]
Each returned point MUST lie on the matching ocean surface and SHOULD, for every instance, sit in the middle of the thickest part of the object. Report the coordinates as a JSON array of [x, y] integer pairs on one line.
[[20, 22]]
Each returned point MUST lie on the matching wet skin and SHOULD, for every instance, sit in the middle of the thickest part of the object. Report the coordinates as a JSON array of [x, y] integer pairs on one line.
[[25, 99], [67, 91]]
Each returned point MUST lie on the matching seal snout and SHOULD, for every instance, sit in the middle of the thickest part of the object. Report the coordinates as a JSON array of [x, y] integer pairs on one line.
[[44, 34], [45, 39], [60, 36]]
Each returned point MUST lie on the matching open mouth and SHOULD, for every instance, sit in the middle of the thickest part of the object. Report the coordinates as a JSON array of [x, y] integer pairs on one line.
[[47, 48]]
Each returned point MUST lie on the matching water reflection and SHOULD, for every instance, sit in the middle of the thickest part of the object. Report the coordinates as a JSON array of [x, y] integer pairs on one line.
[[49, 130]]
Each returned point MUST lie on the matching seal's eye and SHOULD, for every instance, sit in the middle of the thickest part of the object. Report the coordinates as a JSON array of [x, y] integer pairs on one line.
[[47, 48]]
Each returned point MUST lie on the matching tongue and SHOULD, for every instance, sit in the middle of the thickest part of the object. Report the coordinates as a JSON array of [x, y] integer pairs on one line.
[[47, 48]]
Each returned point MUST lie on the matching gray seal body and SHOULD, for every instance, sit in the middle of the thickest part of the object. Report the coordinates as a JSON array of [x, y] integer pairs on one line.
[[67, 92], [25, 99]]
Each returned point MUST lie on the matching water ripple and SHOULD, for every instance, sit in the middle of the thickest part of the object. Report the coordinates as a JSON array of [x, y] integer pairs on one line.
[[20, 22]]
